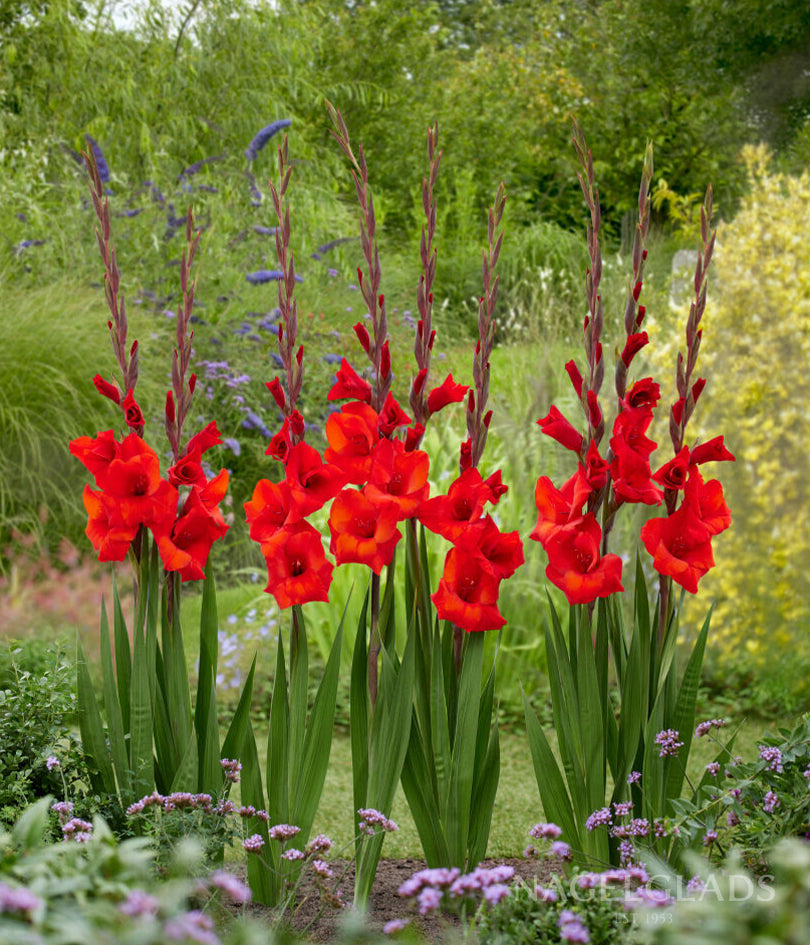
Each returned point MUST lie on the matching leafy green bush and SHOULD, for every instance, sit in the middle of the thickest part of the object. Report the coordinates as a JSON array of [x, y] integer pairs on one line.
[[101, 891], [37, 707]]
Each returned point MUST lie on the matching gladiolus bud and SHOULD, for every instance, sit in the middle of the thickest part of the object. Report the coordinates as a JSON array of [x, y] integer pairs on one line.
[[465, 459], [677, 410], [280, 333], [697, 388], [277, 391], [471, 401], [385, 360], [594, 413], [300, 356], [576, 377], [487, 418], [192, 383], [432, 339], [362, 336], [413, 437], [110, 391], [382, 300], [636, 291], [642, 311], [360, 275], [633, 345], [296, 423], [430, 298], [169, 407], [133, 349], [419, 382]]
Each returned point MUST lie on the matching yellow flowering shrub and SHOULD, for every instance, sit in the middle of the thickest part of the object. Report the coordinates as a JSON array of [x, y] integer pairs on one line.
[[756, 356]]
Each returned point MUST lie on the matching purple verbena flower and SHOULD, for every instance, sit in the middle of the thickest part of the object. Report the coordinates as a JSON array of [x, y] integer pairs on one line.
[[231, 885], [668, 742], [495, 892], [773, 758], [545, 831], [561, 850], [695, 884], [139, 904], [770, 802], [599, 818], [429, 900], [253, 843], [634, 777], [395, 925], [705, 727], [623, 808], [231, 768], [18, 899], [709, 837], [545, 894], [195, 926], [713, 767], [283, 832]]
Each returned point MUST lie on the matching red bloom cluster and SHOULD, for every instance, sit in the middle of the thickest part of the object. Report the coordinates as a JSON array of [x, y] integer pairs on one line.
[[568, 530], [377, 481], [131, 493], [482, 555]]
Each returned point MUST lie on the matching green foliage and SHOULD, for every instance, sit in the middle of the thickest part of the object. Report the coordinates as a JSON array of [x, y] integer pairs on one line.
[[759, 348], [522, 918], [37, 710], [103, 890], [46, 398], [736, 907]]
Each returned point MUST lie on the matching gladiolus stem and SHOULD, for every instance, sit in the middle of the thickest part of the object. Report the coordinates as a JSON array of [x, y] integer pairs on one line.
[[374, 639]]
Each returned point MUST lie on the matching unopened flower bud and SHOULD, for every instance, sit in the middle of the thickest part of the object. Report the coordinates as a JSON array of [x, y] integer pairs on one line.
[[471, 401], [109, 391], [697, 388], [432, 339], [300, 356], [642, 311], [487, 418], [419, 382], [277, 391], [192, 383], [385, 361], [297, 423], [576, 377], [169, 407], [363, 336]]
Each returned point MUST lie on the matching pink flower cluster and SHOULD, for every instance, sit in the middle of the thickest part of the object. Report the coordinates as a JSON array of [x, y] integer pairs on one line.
[[705, 727], [371, 818], [430, 886]]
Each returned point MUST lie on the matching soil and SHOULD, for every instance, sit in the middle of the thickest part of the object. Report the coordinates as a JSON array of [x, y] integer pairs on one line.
[[321, 920]]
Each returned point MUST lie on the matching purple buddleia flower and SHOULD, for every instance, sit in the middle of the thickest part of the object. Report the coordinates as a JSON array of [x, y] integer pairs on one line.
[[264, 136], [192, 169], [101, 163], [265, 230], [331, 245], [264, 275]]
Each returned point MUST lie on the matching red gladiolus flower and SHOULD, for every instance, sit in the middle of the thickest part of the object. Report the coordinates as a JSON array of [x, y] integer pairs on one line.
[[97, 453], [413, 437], [391, 416], [496, 487], [633, 345], [448, 392], [680, 546], [672, 475], [558, 507], [630, 467], [556, 426], [133, 478], [280, 445], [132, 413], [107, 533], [187, 471], [268, 509], [312, 482], [187, 548], [467, 593], [297, 568], [352, 435], [363, 531], [399, 477], [349, 385], [707, 502], [713, 450], [596, 469], [450, 515], [644, 393], [502, 554], [213, 492], [576, 567], [203, 441]]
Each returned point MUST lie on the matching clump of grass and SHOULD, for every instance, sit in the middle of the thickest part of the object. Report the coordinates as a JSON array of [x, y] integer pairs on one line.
[[47, 397]]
